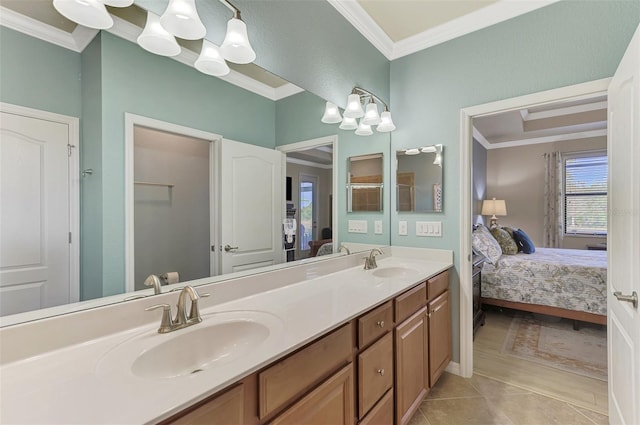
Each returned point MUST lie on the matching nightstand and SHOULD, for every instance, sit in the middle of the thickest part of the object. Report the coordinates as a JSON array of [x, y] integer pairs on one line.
[[478, 314], [597, 247]]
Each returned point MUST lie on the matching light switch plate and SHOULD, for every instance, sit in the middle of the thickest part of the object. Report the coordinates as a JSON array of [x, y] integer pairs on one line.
[[378, 227], [357, 226], [429, 228], [402, 228]]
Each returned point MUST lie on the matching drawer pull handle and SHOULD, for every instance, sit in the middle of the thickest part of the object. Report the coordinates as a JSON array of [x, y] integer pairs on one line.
[[381, 372], [380, 323]]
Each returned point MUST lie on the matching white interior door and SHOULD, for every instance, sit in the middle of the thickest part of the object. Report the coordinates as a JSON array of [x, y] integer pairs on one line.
[[623, 275], [250, 206], [35, 224]]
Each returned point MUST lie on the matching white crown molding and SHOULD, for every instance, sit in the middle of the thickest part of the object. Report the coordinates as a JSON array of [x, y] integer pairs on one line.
[[364, 23], [481, 139], [308, 163], [569, 110], [76, 41], [286, 90], [495, 13], [550, 139]]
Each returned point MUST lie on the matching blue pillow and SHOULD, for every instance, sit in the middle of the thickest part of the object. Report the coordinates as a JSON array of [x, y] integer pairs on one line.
[[524, 242]]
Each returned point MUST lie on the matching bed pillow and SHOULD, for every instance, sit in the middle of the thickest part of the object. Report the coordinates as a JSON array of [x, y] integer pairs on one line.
[[484, 243], [524, 242], [506, 242]]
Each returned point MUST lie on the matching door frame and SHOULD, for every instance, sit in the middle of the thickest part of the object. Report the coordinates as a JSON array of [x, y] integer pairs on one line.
[[588, 89], [308, 144], [315, 180], [73, 124], [130, 121]]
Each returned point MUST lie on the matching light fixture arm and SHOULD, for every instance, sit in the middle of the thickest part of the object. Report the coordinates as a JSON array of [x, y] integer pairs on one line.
[[364, 93], [235, 10]]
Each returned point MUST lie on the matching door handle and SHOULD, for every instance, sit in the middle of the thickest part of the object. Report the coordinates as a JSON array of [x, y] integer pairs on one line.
[[229, 248], [633, 298]]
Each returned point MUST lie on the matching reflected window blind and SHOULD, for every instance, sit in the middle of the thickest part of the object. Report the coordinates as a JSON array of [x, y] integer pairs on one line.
[[585, 194]]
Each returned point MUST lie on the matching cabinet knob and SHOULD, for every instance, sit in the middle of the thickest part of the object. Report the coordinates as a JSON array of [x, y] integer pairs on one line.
[[380, 323], [381, 372]]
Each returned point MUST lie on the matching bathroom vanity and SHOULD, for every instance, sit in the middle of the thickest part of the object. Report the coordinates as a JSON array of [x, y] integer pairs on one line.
[[327, 342]]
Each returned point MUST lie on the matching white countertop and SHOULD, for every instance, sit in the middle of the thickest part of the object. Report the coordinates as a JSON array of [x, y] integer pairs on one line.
[[76, 385]]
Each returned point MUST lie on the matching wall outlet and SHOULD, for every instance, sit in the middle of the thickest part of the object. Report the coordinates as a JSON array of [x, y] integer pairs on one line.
[[378, 227], [402, 228], [357, 226], [429, 228]]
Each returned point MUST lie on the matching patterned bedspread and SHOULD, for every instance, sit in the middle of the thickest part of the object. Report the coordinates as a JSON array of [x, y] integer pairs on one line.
[[567, 278]]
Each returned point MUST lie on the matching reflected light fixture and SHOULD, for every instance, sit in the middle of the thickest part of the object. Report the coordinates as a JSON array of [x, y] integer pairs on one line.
[[438, 158], [88, 13], [211, 61], [354, 110], [331, 114], [412, 151], [156, 39]]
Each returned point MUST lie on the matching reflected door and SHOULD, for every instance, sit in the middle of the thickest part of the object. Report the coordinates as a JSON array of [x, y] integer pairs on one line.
[[308, 210], [251, 207], [34, 214]]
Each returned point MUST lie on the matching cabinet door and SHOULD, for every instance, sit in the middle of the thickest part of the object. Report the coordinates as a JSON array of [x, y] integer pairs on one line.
[[412, 379], [224, 409], [439, 336], [331, 403]]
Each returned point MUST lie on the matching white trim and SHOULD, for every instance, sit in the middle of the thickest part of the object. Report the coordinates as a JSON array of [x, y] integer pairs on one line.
[[314, 143], [575, 92], [309, 163], [131, 120], [480, 138], [364, 23], [454, 368], [549, 139], [73, 124], [569, 110], [76, 41], [490, 15]]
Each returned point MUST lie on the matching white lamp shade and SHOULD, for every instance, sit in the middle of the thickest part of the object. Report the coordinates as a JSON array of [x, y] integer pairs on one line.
[[386, 123], [348, 124], [211, 61], [494, 207], [181, 19], [354, 108], [364, 129], [118, 3], [156, 39], [412, 151], [371, 116], [88, 13], [331, 114], [236, 47]]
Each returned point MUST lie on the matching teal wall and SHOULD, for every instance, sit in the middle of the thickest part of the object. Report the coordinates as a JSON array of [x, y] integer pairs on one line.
[[39, 75], [559, 45]]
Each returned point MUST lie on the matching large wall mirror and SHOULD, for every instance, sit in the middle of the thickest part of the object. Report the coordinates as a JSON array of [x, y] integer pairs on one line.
[[111, 77], [419, 185], [365, 183]]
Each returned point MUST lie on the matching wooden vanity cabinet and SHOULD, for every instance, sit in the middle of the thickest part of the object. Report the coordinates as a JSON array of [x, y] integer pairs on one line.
[[439, 336]]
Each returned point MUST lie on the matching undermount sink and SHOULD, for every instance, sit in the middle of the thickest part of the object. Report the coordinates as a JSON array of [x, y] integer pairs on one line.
[[220, 339], [393, 272]]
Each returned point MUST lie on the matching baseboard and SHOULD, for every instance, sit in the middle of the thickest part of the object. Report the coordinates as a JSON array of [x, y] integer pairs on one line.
[[454, 368]]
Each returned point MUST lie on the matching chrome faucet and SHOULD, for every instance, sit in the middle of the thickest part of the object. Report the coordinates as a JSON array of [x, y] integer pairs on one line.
[[153, 280], [343, 246], [182, 320], [370, 261]]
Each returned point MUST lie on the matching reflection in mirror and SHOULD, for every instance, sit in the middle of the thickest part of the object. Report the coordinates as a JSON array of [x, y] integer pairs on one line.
[[419, 179], [364, 183]]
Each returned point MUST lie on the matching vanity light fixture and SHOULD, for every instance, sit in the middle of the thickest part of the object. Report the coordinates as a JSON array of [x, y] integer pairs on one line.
[[118, 3], [236, 47], [181, 19], [156, 39], [211, 61], [354, 110], [88, 13], [331, 114]]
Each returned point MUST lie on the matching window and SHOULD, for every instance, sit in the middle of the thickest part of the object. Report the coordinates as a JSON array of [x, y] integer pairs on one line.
[[585, 193]]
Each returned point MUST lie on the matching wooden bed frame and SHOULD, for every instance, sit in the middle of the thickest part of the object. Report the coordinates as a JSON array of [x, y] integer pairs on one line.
[[581, 316]]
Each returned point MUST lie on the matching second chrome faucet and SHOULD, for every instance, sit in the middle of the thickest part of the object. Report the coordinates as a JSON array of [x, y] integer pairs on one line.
[[182, 319]]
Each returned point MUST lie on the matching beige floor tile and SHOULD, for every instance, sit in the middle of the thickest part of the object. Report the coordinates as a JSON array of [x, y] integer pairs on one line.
[[419, 419], [596, 418], [534, 409], [493, 388], [463, 411], [452, 386]]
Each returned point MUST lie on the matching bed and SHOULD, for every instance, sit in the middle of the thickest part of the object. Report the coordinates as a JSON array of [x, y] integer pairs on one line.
[[567, 283]]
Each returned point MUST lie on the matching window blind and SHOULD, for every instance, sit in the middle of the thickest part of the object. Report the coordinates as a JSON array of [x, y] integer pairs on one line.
[[585, 200]]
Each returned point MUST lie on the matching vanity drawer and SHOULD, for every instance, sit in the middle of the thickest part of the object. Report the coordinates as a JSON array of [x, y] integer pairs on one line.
[[374, 324], [286, 379], [375, 373], [382, 413], [437, 285], [410, 302]]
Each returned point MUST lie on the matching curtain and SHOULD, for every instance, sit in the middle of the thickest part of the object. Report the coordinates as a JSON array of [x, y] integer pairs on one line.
[[553, 197]]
